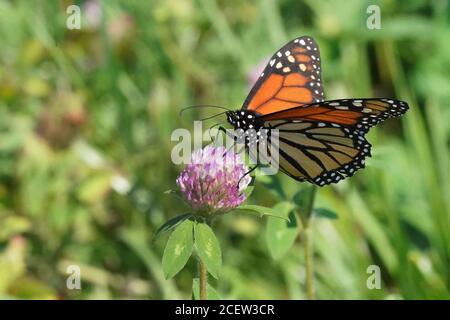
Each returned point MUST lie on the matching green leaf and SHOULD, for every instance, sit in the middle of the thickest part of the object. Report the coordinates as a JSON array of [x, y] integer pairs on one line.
[[178, 249], [260, 211], [282, 209], [208, 248], [325, 213], [211, 293], [280, 235], [303, 200], [170, 224]]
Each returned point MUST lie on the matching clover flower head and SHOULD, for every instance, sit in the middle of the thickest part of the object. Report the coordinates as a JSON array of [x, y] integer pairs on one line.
[[214, 181]]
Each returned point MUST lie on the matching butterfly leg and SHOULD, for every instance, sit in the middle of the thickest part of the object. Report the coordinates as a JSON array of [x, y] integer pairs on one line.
[[234, 137], [226, 132], [235, 140], [245, 174], [217, 134]]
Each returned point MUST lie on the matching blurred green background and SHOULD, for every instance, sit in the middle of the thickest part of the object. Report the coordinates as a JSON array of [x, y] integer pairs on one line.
[[85, 123]]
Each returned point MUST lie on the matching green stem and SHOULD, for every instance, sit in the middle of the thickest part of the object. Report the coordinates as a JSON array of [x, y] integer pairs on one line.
[[310, 205], [309, 265], [203, 279], [202, 271], [308, 244]]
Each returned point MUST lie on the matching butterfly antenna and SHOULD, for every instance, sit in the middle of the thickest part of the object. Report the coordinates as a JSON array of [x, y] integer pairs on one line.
[[202, 106], [213, 116]]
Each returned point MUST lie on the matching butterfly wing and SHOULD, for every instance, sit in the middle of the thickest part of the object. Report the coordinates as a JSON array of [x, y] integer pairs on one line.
[[291, 78], [318, 141], [325, 142], [362, 114]]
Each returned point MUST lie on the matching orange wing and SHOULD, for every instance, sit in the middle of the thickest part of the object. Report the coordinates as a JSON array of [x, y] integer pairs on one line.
[[292, 78], [359, 113]]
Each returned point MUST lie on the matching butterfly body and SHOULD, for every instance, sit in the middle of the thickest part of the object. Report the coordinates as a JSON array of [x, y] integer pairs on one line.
[[318, 141], [243, 119]]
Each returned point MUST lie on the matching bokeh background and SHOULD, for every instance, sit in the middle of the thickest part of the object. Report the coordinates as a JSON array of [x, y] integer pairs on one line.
[[85, 123]]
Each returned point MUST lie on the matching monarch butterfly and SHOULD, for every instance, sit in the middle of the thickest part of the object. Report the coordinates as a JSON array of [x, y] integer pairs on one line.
[[319, 141]]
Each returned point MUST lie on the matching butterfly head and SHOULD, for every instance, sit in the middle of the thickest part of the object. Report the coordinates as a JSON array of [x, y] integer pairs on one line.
[[242, 119]]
